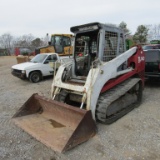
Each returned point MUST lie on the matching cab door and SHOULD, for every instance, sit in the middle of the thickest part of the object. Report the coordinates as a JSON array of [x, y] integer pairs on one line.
[[62, 45], [47, 69], [67, 45]]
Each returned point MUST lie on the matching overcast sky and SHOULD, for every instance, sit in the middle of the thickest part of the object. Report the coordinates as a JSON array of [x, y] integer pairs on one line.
[[38, 17]]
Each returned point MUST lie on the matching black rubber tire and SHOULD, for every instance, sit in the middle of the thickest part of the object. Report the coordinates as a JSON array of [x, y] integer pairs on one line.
[[35, 77]]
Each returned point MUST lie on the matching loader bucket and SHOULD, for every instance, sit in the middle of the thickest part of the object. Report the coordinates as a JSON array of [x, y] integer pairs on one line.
[[55, 124]]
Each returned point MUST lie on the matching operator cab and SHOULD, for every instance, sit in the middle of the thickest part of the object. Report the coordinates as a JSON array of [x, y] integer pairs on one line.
[[60, 42], [94, 43], [85, 48], [85, 52]]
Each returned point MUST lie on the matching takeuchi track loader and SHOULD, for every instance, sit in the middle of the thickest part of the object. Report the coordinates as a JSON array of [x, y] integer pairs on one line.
[[103, 83]]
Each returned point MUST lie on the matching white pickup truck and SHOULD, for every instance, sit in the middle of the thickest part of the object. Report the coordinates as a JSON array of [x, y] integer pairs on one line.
[[38, 67]]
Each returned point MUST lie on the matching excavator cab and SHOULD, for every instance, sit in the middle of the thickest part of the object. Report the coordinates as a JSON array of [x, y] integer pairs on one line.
[[59, 43]]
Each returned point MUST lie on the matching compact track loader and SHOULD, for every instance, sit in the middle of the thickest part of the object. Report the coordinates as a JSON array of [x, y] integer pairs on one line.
[[103, 83]]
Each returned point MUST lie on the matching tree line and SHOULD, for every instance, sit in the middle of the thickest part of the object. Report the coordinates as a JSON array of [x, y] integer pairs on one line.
[[8, 43], [143, 34]]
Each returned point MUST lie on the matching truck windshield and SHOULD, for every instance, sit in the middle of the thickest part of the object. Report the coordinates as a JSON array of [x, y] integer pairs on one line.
[[39, 58]]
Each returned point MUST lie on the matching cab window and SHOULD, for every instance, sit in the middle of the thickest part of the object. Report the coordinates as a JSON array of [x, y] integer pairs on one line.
[[51, 58]]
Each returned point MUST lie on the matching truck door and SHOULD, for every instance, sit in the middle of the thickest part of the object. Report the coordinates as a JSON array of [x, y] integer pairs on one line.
[[47, 69]]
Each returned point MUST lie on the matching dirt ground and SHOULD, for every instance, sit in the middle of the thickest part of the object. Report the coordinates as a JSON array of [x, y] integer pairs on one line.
[[136, 136]]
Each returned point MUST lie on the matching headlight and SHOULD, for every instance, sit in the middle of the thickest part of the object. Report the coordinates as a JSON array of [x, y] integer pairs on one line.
[[23, 71]]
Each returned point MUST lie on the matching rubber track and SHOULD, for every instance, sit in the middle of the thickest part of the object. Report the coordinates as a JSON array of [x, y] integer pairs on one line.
[[110, 96]]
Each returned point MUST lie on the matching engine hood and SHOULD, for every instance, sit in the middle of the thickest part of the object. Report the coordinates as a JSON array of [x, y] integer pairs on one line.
[[26, 65]]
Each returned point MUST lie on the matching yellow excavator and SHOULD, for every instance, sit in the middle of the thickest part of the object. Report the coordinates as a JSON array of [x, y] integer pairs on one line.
[[103, 82], [59, 43]]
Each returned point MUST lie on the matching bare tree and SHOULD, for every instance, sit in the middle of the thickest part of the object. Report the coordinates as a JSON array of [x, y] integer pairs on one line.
[[25, 41], [6, 42], [154, 32]]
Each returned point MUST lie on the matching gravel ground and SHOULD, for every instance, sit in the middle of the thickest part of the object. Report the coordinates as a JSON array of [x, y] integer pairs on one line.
[[136, 136]]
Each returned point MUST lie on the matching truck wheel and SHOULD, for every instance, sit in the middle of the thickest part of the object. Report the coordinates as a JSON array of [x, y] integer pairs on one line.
[[35, 77]]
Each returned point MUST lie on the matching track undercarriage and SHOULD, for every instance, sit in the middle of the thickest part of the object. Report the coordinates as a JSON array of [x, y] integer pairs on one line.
[[112, 104], [118, 101]]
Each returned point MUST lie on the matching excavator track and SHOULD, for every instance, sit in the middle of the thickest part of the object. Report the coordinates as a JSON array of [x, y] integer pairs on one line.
[[108, 114]]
